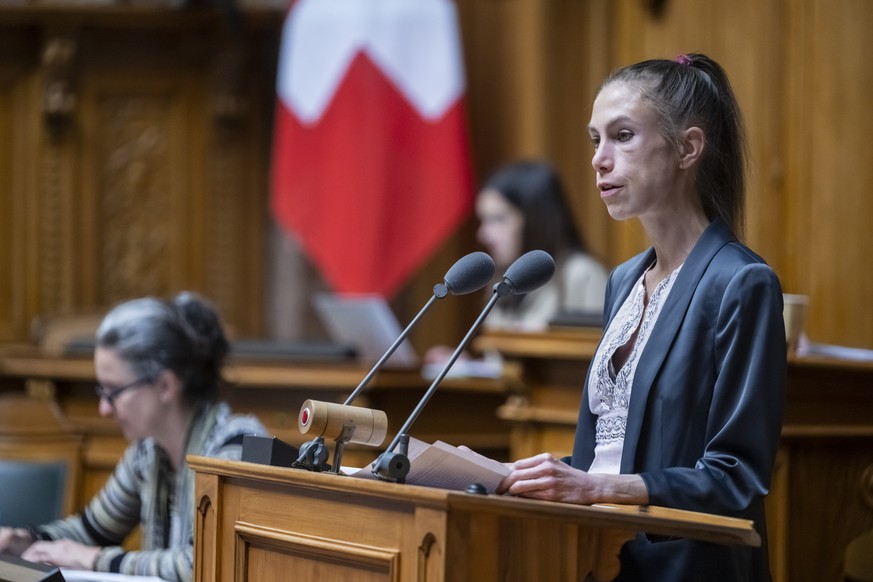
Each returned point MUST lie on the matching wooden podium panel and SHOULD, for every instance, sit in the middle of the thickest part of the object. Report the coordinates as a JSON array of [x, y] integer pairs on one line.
[[256, 522], [825, 461]]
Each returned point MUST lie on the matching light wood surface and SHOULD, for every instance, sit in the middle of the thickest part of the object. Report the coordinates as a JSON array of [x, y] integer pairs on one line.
[[824, 462], [333, 526], [460, 412]]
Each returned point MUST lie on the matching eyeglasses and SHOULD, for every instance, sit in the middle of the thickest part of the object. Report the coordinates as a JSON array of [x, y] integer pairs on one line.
[[111, 393]]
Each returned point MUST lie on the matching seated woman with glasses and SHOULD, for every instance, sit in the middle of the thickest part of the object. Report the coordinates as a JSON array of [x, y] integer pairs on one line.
[[158, 364]]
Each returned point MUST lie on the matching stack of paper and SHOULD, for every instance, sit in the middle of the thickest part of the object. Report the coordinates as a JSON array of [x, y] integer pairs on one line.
[[447, 467]]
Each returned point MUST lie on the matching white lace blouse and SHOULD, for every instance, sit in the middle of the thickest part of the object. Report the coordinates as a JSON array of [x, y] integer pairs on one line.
[[609, 391]]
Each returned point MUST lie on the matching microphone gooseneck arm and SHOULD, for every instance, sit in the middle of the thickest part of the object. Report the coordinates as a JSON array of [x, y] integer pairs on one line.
[[394, 465], [436, 382], [469, 273], [530, 271], [313, 454], [378, 365]]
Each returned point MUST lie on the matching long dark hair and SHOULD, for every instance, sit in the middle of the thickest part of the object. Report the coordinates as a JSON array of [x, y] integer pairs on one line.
[[536, 189]]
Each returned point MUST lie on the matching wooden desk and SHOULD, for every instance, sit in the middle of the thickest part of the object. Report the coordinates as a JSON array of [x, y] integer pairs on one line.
[[825, 462], [549, 372], [261, 523], [461, 412]]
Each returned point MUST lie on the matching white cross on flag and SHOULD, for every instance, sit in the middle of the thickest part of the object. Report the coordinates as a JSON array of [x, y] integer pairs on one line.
[[371, 167]]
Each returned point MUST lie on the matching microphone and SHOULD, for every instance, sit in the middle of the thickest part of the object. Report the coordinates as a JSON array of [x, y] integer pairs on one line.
[[469, 273], [529, 272]]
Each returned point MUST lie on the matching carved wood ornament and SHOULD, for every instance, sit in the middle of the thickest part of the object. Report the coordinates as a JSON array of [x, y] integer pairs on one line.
[[58, 63]]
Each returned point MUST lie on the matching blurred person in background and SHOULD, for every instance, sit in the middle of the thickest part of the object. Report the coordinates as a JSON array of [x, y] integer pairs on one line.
[[523, 207], [158, 365]]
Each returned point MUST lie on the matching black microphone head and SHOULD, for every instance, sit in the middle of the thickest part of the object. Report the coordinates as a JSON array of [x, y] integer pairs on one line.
[[469, 273], [530, 271]]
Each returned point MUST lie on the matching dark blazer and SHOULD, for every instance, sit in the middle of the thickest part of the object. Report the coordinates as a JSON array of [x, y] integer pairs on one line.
[[706, 406]]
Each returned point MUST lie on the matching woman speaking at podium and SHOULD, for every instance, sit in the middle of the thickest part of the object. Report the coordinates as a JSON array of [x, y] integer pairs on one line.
[[158, 364], [683, 402]]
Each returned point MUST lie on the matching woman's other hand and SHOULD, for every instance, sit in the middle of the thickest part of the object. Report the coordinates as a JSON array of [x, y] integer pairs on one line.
[[14, 540], [63, 553]]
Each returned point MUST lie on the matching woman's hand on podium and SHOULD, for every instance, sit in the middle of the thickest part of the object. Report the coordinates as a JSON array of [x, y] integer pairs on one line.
[[545, 477]]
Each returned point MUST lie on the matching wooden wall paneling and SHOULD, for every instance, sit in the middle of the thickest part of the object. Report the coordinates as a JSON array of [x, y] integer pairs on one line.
[[225, 185], [517, 53], [134, 185], [262, 101], [498, 94], [11, 230], [125, 182], [24, 111], [532, 34], [128, 170], [799, 169], [203, 209], [26, 180], [59, 285], [39, 257], [832, 117], [237, 213], [578, 56], [146, 116], [756, 68]]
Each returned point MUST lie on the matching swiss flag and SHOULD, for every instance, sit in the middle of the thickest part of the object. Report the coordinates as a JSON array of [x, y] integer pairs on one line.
[[371, 167]]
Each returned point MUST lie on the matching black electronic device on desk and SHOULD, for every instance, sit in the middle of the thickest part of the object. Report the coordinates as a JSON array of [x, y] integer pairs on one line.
[[254, 349], [291, 351], [578, 319], [14, 569]]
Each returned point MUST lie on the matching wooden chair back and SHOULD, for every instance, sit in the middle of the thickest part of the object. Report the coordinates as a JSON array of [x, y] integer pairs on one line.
[[34, 430]]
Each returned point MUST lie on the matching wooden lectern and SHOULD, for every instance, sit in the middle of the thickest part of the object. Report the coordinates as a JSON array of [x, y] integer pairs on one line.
[[256, 522]]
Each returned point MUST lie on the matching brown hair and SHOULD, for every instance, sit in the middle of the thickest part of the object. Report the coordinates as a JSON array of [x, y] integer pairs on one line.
[[694, 90]]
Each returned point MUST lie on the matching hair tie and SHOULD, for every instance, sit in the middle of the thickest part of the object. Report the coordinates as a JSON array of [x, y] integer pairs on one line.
[[684, 60]]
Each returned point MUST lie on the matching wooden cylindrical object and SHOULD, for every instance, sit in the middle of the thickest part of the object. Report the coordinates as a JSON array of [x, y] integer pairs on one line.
[[328, 419]]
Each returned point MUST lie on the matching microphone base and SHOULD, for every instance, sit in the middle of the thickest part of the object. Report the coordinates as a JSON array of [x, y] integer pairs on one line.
[[313, 456], [392, 467]]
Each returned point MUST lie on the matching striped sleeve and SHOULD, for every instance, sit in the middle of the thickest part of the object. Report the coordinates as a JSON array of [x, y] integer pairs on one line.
[[115, 511], [176, 563]]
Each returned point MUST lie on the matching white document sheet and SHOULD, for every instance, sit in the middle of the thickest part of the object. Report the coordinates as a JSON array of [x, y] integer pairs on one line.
[[89, 576], [445, 466]]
